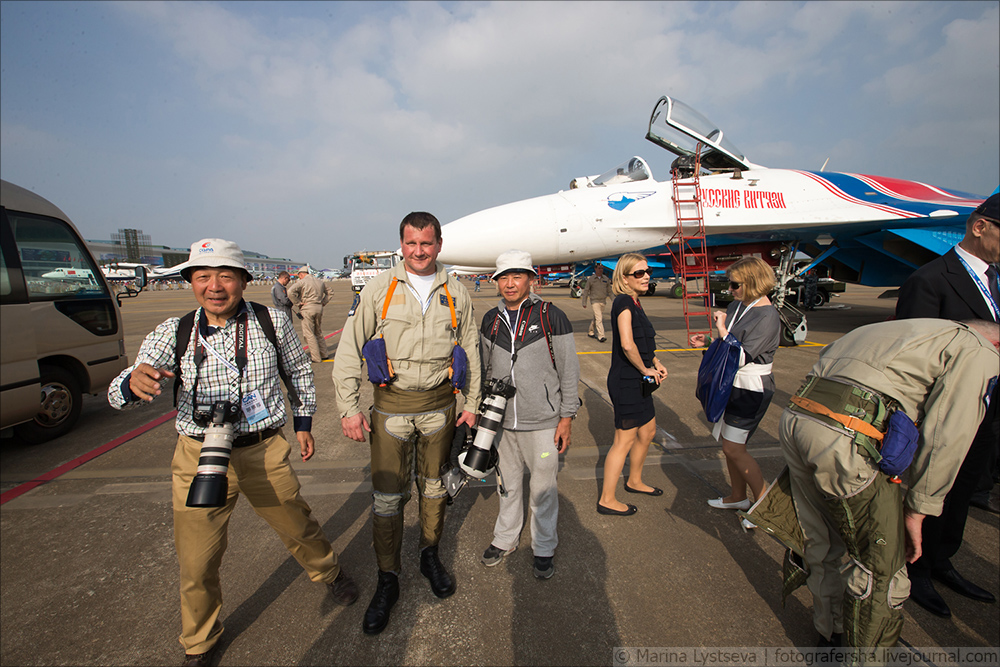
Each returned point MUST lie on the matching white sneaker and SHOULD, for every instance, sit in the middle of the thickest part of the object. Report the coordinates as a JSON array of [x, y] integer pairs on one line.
[[747, 525], [721, 504]]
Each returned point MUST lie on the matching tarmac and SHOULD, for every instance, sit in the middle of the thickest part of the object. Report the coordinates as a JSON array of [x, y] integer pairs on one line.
[[88, 573]]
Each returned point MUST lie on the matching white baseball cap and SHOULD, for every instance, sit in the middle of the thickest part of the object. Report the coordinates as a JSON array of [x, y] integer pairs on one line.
[[214, 253], [513, 260]]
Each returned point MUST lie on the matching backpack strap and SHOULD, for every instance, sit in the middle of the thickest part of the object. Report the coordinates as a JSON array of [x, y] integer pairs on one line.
[[184, 328], [267, 326], [547, 330]]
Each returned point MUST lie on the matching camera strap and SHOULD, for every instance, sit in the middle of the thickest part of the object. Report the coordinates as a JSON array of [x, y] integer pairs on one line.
[[201, 344], [520, 325]]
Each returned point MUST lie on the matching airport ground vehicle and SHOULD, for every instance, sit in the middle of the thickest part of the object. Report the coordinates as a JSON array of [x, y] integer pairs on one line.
[[61, 333], [365, 265]]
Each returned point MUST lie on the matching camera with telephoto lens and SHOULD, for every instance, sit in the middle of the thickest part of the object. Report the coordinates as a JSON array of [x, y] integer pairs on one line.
[[211, 485], [481, 456]]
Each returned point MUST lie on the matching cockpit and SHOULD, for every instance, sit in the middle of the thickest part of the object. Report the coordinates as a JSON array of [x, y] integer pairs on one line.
[[630, 171]]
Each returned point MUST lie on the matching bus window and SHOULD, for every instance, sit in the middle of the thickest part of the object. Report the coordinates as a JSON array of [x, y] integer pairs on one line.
[[52, 260]]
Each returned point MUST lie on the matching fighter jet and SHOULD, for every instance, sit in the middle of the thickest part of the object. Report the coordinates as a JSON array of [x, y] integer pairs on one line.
[[867, 229]]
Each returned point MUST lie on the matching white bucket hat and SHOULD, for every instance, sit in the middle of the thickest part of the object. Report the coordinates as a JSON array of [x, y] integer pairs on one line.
[[513, 260], [214, 253]]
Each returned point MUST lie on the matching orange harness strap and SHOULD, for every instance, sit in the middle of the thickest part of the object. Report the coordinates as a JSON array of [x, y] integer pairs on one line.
[[853, 423]]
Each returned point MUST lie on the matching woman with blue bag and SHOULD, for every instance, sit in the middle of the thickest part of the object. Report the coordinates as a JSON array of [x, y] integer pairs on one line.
[[755, 326], [634, 375]]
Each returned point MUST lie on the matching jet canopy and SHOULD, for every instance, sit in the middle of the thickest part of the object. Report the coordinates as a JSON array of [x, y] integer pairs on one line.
[[632, 170], [679, 128]]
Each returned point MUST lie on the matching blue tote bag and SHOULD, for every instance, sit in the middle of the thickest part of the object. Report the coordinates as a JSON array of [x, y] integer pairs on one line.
[[715, 376]]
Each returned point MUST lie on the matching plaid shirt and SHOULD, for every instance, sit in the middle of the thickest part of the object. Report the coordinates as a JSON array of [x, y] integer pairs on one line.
[[217, 382]]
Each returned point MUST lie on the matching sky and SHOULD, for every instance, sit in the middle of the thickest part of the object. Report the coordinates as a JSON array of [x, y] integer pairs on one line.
[[308, 130]]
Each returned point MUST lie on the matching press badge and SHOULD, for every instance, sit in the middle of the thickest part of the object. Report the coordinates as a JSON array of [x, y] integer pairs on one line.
[[253, 407]]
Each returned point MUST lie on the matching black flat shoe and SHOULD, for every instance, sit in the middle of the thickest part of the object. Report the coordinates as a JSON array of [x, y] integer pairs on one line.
[[632, 509], [654, 492]]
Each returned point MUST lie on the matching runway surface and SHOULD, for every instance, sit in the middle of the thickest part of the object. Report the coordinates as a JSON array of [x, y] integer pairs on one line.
[[89, 574]]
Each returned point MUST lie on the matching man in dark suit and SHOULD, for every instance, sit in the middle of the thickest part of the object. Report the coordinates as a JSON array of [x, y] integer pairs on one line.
[[959, 285]]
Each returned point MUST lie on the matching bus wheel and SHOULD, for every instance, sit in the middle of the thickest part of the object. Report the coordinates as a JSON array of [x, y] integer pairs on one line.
[[61, 401]]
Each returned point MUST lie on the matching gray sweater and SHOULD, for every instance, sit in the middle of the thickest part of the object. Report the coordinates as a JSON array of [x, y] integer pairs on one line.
[[546, 384]]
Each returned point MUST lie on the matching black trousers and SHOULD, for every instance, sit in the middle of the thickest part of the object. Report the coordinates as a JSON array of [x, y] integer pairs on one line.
[[942, 535]]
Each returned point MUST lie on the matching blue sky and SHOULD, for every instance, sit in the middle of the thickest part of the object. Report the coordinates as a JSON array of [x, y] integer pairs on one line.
[[308, 130]]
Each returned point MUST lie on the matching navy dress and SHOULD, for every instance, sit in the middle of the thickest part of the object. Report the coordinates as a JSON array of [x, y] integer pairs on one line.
[[632, 409]]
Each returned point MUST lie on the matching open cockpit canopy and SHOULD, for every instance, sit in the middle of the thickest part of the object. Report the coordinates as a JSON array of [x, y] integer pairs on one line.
[[679, 128]]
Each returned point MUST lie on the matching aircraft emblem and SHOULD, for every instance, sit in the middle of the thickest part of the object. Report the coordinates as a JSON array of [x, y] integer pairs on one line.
[[620, 200]]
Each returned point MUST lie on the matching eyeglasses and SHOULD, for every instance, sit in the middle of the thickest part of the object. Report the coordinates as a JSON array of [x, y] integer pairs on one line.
[[642, 272], [735, 285]]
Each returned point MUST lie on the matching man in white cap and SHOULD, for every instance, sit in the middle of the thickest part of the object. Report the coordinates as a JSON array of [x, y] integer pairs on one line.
[[528, 343], [236, 354], [310, 294]]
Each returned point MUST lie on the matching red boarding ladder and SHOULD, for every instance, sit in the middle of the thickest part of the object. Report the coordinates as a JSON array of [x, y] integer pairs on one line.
[[692, 256]]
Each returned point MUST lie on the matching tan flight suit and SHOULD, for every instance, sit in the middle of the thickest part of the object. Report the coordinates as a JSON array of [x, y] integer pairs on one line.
[[415, 415], [596, 290], [938, 372], [311, 294]]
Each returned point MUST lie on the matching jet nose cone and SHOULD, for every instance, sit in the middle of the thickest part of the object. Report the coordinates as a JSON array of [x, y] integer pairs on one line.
[[479, 238]]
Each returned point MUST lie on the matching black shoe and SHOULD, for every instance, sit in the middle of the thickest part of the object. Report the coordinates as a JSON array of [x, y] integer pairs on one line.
[[386, 594], [956, 582], [654, 492], [602, 339], [199, 659], [922, 592], [629, 511], [343, 590], [430, 566], [544, 567], [836, 640]]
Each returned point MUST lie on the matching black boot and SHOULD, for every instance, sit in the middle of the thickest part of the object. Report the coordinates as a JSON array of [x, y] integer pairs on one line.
[[386, 594], [430, 566]]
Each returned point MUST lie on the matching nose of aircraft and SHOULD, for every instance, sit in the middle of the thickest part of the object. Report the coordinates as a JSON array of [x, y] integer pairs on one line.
[[531, 225]]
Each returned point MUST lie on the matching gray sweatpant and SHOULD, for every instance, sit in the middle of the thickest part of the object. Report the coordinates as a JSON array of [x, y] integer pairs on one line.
[[537, 451]]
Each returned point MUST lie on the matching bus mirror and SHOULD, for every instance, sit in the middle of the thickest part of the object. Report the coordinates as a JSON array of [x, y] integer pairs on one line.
[[140, 277]]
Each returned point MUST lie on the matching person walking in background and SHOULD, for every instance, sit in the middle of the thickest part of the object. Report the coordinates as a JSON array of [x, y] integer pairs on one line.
[[596, 291], [311, 294], [279, 294], [959, 285], [635, 373], [755, 323]]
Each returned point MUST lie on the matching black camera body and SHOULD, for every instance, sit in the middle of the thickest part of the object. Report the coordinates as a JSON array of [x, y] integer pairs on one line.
[[481, 456], [210, 485]]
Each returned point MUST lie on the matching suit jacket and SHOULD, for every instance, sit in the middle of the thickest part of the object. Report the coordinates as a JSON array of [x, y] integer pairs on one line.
[[942, 288]]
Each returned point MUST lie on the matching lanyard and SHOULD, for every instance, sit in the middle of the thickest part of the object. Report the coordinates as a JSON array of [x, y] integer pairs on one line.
[[983, 289], [737, 315], [201, 345]]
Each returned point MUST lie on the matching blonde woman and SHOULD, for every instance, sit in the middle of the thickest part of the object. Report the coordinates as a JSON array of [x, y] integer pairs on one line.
[[632, 360], [754, 321]]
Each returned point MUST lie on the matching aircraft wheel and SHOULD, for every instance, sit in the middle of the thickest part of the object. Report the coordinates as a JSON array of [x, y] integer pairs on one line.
[[676, 291], [576, 291], [787, 337], [651, 290], [61, 401]]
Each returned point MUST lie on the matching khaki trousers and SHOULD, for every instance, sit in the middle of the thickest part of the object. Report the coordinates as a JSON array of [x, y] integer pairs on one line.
[[404, 424], [263, 474], [847, 506], [312, 331], [597, 324]]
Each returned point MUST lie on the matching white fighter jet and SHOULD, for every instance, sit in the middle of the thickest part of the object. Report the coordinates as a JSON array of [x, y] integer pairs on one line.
[[867, 229]]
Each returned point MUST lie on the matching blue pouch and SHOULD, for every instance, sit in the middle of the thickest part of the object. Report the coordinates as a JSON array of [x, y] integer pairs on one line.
[[377, 361], [899, 444], [715, 376], [459, 368]]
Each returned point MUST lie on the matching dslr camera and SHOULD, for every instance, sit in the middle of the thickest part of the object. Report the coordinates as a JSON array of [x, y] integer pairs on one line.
[[211, 485]]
